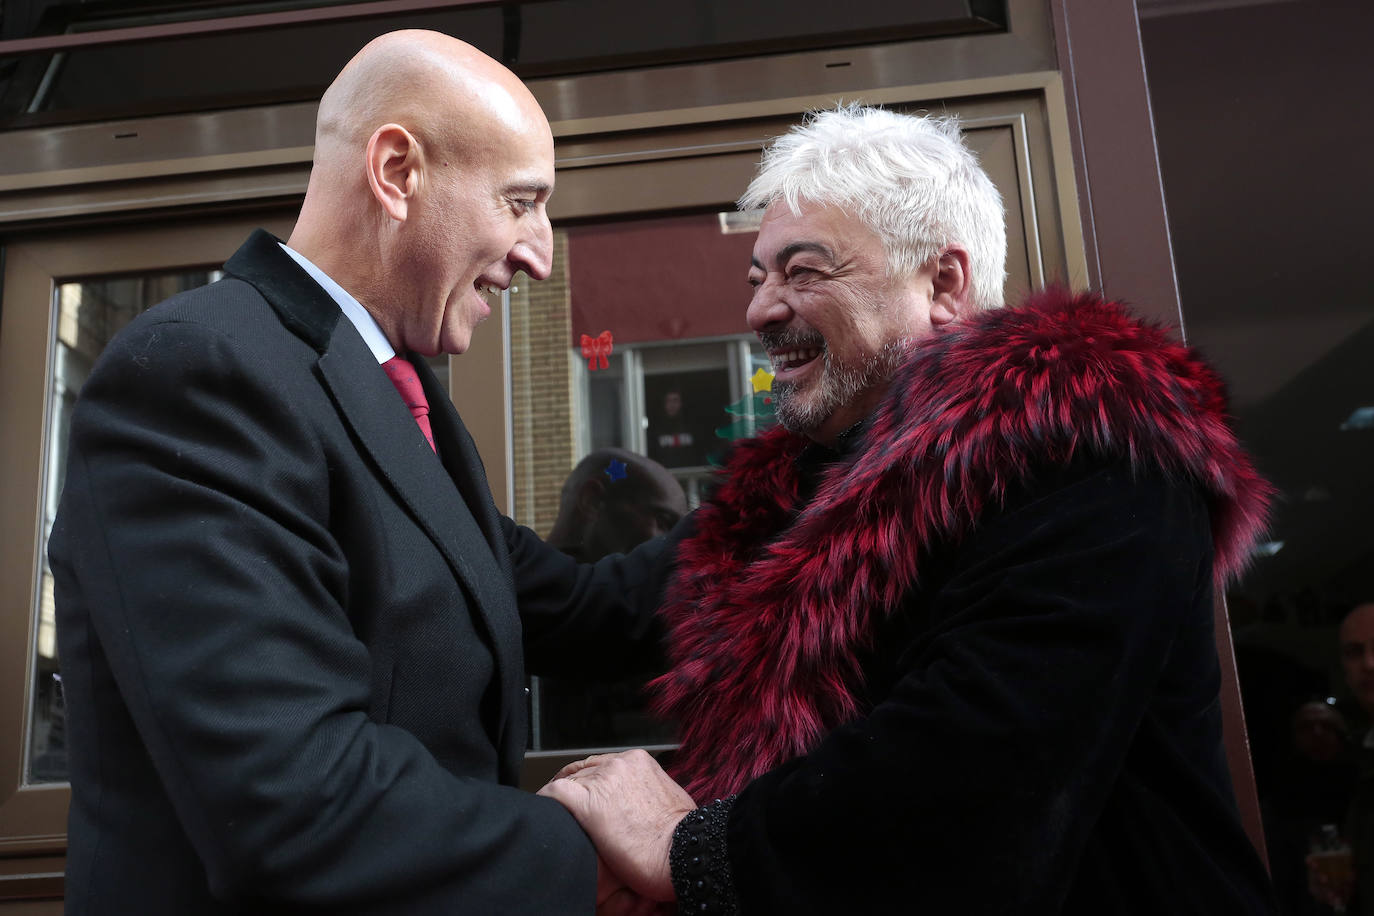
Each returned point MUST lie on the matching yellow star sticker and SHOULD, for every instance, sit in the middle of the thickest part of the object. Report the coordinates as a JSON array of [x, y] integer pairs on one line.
[[763, 381]]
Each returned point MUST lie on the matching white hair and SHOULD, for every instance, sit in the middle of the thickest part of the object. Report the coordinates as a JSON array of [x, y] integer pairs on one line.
[[909, 179]]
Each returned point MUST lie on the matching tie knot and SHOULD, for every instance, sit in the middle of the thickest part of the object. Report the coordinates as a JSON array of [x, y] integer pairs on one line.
[[402, 375]]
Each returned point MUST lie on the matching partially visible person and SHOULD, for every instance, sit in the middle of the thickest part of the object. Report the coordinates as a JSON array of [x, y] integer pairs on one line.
[[1354, 891], [943, 642], [1356, 636], [290, 617], [673, 438], [612, 501], [1307, 798]]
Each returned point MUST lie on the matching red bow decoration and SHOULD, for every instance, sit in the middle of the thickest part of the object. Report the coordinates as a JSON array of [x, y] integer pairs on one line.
[[598, 347]]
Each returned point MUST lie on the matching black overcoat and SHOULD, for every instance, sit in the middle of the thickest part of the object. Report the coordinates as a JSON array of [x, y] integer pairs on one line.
[[289, 633]]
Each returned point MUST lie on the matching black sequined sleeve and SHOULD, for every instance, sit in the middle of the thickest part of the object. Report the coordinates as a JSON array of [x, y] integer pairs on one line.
[[700, 862]]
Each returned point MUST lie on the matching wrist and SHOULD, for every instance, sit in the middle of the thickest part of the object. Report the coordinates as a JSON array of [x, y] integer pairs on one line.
[[699, 861]]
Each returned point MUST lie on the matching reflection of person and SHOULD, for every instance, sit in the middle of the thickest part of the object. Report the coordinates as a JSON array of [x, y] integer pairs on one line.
[[613, 501], [672, 438], [1357, 662], [943, 643], [287, 617], [605, 509], [1308, 796], [1319, 732]]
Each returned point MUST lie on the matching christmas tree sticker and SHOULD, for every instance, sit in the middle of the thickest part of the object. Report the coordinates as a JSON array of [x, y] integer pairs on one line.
[[753, 413]]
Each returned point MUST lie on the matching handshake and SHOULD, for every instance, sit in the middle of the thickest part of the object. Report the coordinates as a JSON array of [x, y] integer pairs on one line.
[[630, 808]]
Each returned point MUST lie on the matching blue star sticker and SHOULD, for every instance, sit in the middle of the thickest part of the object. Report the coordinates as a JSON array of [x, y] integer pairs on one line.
[[616, 469]]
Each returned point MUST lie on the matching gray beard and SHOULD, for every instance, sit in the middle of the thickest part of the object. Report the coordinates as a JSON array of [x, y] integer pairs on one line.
[[837, 386]]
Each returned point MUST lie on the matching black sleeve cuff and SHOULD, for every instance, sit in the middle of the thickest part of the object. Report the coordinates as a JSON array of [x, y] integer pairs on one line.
[[700, 863]]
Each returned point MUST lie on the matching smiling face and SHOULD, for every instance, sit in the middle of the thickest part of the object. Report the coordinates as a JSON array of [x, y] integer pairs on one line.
[[480, 219], [835, 325]]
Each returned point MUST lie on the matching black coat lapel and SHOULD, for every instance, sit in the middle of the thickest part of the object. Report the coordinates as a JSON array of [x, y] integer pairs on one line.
[[452, 505], [307, 310], [369, 404], [465, 469], [460, 456]]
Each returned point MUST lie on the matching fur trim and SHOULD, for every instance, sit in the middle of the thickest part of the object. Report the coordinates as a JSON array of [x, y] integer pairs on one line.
[[769, 606]]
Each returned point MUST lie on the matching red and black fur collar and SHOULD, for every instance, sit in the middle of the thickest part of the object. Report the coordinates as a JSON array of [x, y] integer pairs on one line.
[[771, 603]]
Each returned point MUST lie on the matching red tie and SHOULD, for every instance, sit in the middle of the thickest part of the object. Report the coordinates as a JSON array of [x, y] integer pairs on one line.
[[402, 375]]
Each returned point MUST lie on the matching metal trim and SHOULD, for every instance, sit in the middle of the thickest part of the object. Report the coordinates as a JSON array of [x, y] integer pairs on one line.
[[248, 22]]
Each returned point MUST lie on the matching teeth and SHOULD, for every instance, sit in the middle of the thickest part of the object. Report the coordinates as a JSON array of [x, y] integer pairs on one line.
[[791, 358]]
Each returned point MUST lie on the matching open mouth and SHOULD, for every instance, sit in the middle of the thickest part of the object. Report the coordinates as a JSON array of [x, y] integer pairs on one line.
[[788, 360], [487, 289]]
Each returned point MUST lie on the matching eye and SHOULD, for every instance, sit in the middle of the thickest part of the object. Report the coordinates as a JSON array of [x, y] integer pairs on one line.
[[799, 271], [755, 281], [525, 205]]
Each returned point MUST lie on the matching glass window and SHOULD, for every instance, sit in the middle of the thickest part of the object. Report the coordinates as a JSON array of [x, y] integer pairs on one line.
[[686, 389], [607, 411], [669, 293], [1290, 329], [88, 314]]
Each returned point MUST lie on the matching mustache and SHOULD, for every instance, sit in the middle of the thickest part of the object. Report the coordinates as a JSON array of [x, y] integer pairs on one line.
[[790, 339]]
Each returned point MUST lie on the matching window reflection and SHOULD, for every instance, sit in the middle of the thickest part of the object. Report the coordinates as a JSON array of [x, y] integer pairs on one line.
[[1308, 599], [683, 411], [676, 390], [607, 412], [88, 313]]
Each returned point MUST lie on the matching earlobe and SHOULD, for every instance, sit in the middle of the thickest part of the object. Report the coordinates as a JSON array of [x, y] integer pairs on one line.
[[393, 169], [950, 296]]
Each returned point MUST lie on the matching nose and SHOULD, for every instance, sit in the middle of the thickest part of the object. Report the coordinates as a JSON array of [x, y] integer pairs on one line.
[[767, 307], [534, 253], [1367, 657]]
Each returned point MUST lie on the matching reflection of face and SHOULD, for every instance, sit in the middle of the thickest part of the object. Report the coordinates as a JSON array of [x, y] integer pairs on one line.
[[1357, 654], [835, 325], [672, 403], [1319, 731], [630, 517], [478, 223]]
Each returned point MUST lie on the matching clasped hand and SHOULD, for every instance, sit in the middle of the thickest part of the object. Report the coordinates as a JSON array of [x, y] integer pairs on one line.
[[629, 807]]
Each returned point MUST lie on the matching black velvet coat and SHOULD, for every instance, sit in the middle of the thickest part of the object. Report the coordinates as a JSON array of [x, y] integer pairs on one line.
[[291, 635], [967, 665]]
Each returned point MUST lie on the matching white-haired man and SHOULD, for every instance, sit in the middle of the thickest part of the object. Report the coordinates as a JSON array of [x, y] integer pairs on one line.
[[942, 642]]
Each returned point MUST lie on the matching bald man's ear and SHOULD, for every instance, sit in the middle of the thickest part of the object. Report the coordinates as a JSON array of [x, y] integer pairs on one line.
[[393, 169], [590, 495], [951, 297]]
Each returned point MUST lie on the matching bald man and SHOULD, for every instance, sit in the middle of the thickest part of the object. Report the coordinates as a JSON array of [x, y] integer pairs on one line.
[[613, 501], [289, 615]]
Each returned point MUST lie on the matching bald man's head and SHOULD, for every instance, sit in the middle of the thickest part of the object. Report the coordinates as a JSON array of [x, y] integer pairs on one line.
[[613, 501], [433, 166], [444, 90]]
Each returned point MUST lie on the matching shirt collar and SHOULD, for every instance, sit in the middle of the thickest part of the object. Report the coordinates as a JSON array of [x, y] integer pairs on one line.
[[362, 319]]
